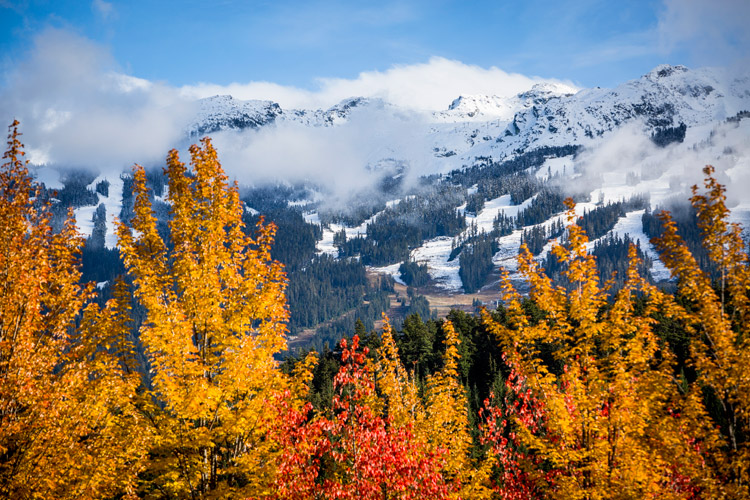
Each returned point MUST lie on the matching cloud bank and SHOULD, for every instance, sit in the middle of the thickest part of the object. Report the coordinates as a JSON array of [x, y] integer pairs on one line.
[[77, 108], [669, 173], [429, 86]]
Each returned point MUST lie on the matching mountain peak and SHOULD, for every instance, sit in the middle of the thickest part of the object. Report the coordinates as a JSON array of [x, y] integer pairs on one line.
[[551, 89], [221, 112], [666, 71]]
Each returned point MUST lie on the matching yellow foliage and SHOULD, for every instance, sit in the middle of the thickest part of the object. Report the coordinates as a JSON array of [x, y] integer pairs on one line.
[[68, 423], [216, 316], [717, 318], [446, 425], [440, 422], [400, 392], [608, 431]]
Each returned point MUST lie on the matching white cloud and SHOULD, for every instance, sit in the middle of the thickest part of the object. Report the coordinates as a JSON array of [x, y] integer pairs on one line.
[[342, 159], [105, 10], [668, 173], [714, 32], [428, 86], [76, 106]]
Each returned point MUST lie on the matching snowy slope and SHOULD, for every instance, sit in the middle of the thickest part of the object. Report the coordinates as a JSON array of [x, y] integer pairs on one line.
[[224, 112], [112, 204], [479, 126], [613, 126], [666, 96]]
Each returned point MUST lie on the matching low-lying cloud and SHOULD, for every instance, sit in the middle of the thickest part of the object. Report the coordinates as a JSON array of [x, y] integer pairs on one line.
[[77, 108], [342, 159], [429, 86], [630, 150]]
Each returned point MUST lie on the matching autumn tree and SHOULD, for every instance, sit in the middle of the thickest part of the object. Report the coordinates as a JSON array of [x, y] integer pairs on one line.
[[716, 316], [605, 381], [439, 421], [446, 410], [215, 317], [517, 472], [68, 424], [357, 453]]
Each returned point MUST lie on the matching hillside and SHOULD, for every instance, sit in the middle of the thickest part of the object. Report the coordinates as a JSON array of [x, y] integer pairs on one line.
[[456, 190]]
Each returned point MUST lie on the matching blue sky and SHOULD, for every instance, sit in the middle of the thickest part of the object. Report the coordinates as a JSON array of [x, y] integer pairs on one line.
[[97, 82], [296, 43]]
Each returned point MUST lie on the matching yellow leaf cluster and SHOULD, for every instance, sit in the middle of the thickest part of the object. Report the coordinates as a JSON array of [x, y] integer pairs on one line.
[[216, 316], [69, 427], [715, 311], [609, 427]]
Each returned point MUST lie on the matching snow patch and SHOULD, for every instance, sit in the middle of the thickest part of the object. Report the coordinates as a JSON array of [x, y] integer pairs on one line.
[[391, 271]]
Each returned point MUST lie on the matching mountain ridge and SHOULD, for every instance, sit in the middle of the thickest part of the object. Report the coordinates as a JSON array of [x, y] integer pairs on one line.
[[654, 126]]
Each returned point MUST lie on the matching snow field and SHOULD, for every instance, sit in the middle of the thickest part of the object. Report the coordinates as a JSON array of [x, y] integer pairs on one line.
[[112, 203]]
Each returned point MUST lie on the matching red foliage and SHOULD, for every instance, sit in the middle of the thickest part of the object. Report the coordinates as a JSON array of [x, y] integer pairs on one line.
[[519, 475], [357, 454]]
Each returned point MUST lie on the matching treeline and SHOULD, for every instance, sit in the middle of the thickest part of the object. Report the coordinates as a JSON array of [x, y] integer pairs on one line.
[[502, 225], [324, 289], [475, 259], [488, 171], [663, 136], [475, 250], [398, 229], [413, 273], [602, 219], [370, 310], [538, 236], [685, 218], [548, 201]]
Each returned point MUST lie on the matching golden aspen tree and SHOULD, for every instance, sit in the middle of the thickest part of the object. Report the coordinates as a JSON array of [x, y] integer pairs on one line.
[[606, 424], [216, 316], [716, 407], [447, 423], [446, 434], [400, 392], [68, 425]]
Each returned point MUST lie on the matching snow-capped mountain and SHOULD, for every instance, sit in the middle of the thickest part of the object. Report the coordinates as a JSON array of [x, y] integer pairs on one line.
[[665, 97], [496, 127], [223, 112], [335, 115], [640, 137], [477, 108]]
